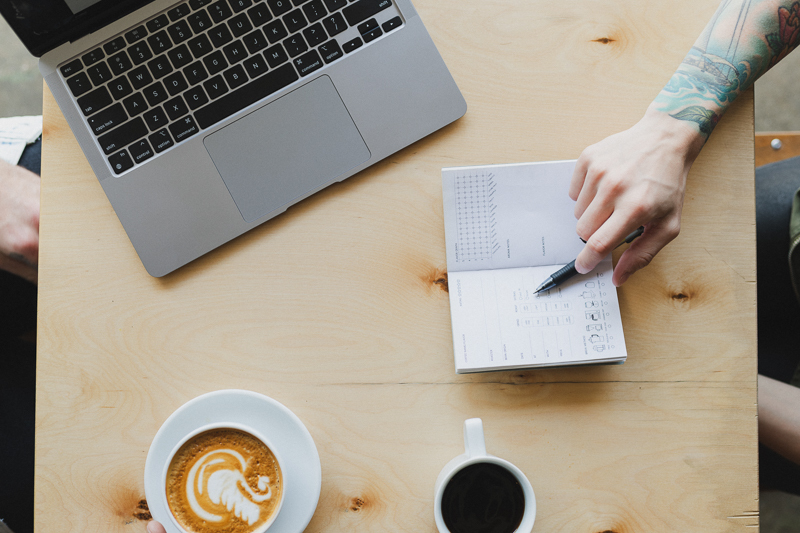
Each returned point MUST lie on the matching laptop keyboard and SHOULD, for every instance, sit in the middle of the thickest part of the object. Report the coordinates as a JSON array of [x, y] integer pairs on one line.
[[202, 61]]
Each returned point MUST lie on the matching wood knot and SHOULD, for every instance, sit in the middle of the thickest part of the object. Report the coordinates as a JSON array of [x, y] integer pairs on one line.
[[441, 281], [356, 504], [142, 511], [604, 40], [679, 296]]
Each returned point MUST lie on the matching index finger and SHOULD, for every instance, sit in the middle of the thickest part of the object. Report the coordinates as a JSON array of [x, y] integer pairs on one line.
[[603, 241]]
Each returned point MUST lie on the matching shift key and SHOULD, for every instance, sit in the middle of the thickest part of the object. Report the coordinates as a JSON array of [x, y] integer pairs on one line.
[[122, 136], [364, 9]]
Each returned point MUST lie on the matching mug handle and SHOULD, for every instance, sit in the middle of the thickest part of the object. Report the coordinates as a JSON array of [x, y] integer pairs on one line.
[[474, 444]]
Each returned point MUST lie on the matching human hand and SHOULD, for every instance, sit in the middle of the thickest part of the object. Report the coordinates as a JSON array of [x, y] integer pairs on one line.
[[633, 178], [19, 221], [155, 527]]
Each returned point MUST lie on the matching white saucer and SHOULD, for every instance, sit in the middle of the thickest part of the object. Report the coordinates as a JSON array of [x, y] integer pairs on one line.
[[298, 453]]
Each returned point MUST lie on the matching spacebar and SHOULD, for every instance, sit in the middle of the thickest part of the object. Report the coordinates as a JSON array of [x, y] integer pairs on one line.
[[251, 93]]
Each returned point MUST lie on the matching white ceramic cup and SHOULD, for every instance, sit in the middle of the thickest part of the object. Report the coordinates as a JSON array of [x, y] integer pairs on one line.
[[264, 527], [474, 453]]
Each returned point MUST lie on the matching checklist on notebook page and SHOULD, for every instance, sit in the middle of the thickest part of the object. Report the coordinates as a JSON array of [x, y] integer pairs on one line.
[[507, 228]]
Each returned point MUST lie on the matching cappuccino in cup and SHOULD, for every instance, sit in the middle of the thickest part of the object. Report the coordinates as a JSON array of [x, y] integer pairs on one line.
[[224, 479]]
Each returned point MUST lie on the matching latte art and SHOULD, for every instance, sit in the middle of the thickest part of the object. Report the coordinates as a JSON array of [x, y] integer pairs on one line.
[[224, 480]]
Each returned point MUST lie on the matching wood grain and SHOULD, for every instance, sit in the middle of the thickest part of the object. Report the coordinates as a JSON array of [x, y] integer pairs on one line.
[[790, 146], [338, 310]]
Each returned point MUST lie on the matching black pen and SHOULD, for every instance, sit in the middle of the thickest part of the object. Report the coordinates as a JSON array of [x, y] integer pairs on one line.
[[567, 271]]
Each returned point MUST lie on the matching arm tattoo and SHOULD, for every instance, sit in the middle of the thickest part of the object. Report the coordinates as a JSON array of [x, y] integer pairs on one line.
[[743, 40]]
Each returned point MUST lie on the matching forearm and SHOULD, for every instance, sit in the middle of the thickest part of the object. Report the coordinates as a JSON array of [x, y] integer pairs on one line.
[[743, 40], [779, 417]]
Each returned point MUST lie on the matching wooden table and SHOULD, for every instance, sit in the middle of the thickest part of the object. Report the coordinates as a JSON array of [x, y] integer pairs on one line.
[[339, 310]]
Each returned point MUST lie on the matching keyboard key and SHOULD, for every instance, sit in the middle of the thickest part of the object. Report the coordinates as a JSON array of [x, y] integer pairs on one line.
[[155, 94], [279, 7], [99, 73], [330, 51], [295, 21], [308, 63], [141, 151], [349, 46], [120, 162], [215, 87], [259, 14], [155, 118], [120, 88], [136, 34], [122, 136], [184, 129], [372, 35], [158, 23], [200, 21], [314, 10], [200, 46], [140, 53], [93, 57], [215, 62], [159, 42], [195, 73], [160, 67], [107, 119], [245, 96], [94, 101], [235, 76], [175, 83], [176, 108], [275, 31], [140, 77], [240, 25], [134, 104], [334, 5], [235, 52], [314, 34], [179, 12], [255, 66], [364, 9], [196, 97], [219, 11], [220, 36], [112, 47], [240, 5], [295, 45], [71, 68], [255, 41], [335, 24], [79, 84], [275, 55], [120, 63], [197, 4], [180, 56], [392, 24], [367, 26], [161, 140], [179, 32], [299, 2]]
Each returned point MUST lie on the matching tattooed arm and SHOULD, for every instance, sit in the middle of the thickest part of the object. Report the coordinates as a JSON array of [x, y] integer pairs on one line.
[[637, 177]]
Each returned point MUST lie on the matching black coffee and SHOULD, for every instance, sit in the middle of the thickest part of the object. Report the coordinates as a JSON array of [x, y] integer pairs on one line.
[[483, 498]]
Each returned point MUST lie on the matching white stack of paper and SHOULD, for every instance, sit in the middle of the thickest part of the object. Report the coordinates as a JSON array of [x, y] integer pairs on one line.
[[508, 228]]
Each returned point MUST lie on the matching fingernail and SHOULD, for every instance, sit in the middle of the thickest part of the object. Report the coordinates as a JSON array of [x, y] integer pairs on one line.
[[580, 268]]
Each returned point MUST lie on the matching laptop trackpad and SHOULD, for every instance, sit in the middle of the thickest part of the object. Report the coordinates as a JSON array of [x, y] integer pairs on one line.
[[289, 148]]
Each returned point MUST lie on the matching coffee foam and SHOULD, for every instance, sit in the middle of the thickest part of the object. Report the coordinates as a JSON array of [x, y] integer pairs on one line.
[[223, 480]]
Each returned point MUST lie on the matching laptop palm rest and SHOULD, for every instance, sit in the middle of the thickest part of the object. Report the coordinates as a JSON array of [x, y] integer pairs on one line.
[[287, 149]]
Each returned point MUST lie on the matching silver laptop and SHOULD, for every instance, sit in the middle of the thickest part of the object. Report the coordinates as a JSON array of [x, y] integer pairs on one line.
[[203, 119]]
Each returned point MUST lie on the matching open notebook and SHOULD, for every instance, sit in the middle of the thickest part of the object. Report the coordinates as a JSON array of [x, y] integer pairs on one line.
[[507, 228]]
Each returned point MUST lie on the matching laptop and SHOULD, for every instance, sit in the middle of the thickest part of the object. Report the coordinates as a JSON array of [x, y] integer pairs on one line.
[[203, 119]]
